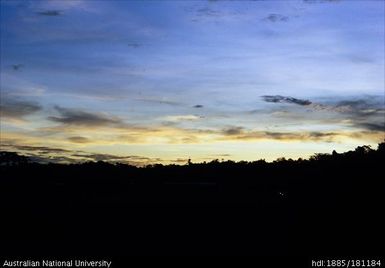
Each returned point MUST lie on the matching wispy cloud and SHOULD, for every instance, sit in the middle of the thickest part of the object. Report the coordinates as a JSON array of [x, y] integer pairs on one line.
[[198, 106], [213, 13], [176, 118], [380, 126], [241, 134], [17, 67], [51, 13], [276, 18], [283, 99], [83, 118], [17, 109], [45, 154], [79, 139], [59, 5], [206, 11], [231, 131], [357, 105], [134, 45], [160, 101], [111, 157], [39, 149], [366, 113]]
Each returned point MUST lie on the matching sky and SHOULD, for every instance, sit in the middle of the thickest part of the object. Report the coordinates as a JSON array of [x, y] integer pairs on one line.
[[145, 82]]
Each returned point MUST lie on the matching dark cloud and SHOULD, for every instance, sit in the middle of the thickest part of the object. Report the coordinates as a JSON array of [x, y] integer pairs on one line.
[[40, 149], [134, 45], [355, 104], [78, 139], [102, 157], [238, 133], [283, 99], [181, 160], [322, 134], [18, 108], [206, 11], [159, 101], [44, 154], [297, 136], [371, 126], [360, 59], [278, 135], [314, 136], [363, 107], [367, 114], [82, 118], [223, 155], [50, 159], [276, 18], [232, 131], [116, 158], [51, 13], [360, 107], [17, 67], [198, 106]]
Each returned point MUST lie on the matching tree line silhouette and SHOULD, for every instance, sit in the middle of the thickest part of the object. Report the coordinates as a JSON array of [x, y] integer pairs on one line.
[[327, 204]]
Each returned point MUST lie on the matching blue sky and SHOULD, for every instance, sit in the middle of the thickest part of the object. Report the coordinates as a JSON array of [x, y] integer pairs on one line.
[[162, 81]]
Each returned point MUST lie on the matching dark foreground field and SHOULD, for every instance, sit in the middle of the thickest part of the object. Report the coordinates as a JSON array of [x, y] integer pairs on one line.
[[330, 205]]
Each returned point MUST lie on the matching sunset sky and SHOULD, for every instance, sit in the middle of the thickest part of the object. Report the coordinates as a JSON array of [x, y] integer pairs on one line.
[[162, 81]]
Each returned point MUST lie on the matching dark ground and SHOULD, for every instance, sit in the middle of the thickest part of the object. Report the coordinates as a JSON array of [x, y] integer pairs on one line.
[[330, 205]]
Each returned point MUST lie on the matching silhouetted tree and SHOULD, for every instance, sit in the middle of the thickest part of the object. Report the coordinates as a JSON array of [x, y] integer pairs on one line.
[[12, 159]]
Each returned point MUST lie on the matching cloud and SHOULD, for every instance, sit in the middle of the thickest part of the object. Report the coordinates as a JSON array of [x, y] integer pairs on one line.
[[209, 13], [356, 105], [198, 106], [371, 126], [51, 13], [50, 159], [17, 67], [82, 118], [59, 5], [102, 157], [313, 135], [283, 99], [159, 101], [232, 131], [366, 113], [78, 139], [134, 45], [360, 59], [177, 118], [40, 149], [129, 159], [206, 11], [45, 154], [372, 132], [276, 18], [17, 109], [238, 133], [222, 155]]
